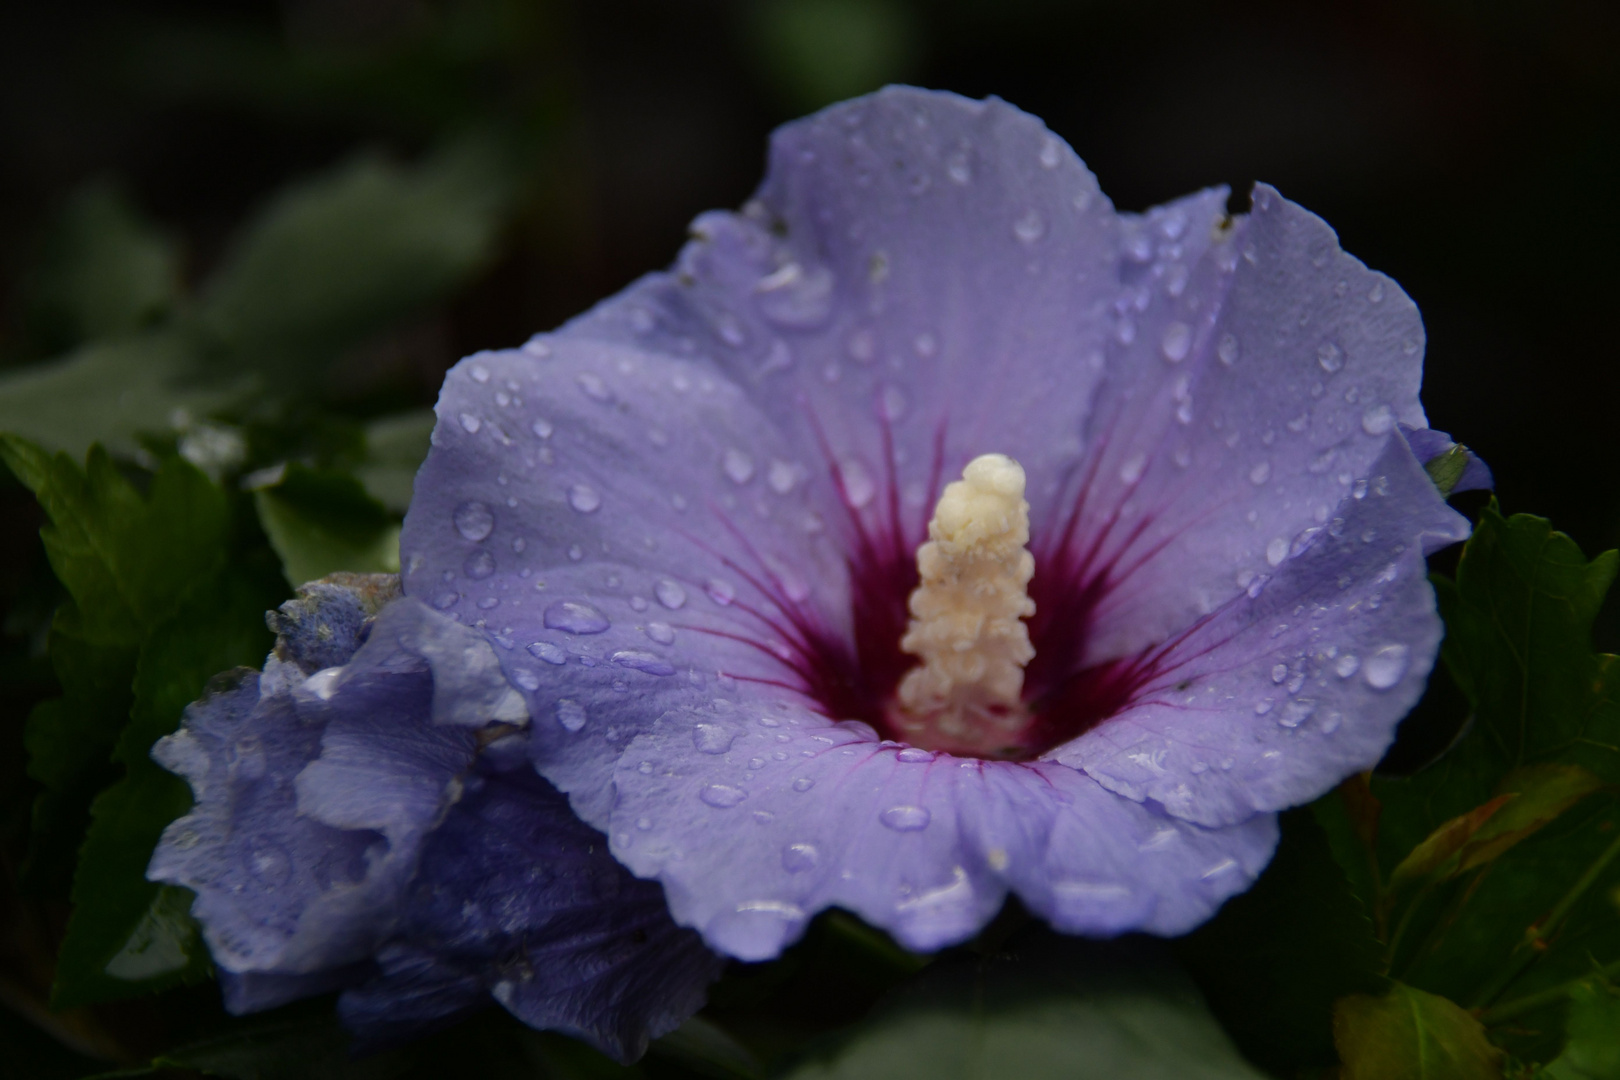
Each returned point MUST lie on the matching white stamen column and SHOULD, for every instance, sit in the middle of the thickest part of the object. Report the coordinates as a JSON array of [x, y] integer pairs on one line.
[[967, 616]]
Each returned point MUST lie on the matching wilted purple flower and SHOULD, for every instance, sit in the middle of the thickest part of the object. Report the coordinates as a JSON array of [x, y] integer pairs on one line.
[[690, 523], [367, 821]]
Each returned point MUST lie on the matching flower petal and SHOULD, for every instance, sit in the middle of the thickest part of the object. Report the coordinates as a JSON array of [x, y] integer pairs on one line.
[[755, 822], [1257, 372], [1277, 696]]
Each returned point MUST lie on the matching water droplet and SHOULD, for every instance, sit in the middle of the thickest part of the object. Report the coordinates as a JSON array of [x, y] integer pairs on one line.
[[1296, 712], [526, 679], [646, 662], [593, 386], [479, 565], [1377, 420], [575, 552], [730, 330], [1279, 672], [446, 600], [1176, 341], [583, 498], [1029, 228], [712, 738], [545, 650], [1131, 471], [892, 403], [906, 818], [473, 520], [470, 423], [1346, 665], [1227, 350], [661, 633], [669, 593], [926, 345], [1260, 473], [738, 465], [1050, 153], [1262, 707], [1276, 551], [959, 168], [797, 858], [912, 754], [1330, 357], [575, 618], [782, 477], [272, 866], [1376, 293], [796, 298], [858, 486], [722, 796], [1385, 666], [570, 714]]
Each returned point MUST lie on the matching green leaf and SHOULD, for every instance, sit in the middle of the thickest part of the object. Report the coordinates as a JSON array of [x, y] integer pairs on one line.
[[1247, 960], [128, 935], [1538, 794], [1439, 849], [127, 560], [396, 446], [104, 271], [341, 256], [321, 521], [1593, 1052], [110, 393], [1407, 1034], [1051, 1006]]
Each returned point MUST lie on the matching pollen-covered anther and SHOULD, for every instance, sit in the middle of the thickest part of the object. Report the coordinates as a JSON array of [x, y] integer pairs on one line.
[[967, 623]]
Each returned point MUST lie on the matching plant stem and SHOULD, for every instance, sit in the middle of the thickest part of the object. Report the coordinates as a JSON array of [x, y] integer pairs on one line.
[[1535, 937], [1509, 1009]]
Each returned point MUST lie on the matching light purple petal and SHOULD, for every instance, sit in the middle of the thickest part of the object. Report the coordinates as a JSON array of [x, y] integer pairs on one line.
[[1275, 698], [755, 821]]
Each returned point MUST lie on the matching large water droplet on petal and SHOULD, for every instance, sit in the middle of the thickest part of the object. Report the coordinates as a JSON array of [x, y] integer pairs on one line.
[[661, 633], [712, 738], [1176, 342], [803, 784], [575, 618], [797, 858], [583, 498], [670, 594], [722, 796], [906, 818], [1384, 668], [474, 520], [738, 466], [570, 714], [646, 662]]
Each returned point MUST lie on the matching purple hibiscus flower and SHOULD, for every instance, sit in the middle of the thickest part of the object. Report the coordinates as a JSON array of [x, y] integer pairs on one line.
[[367, 821], [1181, 586]]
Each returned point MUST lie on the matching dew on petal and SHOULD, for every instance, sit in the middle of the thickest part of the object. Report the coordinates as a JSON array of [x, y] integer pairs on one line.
[[473, 520], [1175, 343], [797, 858], [1377, 420], [1329, 357], [906, 818], [720, 592], [858, 486], [470, 423], [738, 466], [712, 738], [570, 714], [1346, 665], [526, 679], [550, 653], [479, 565], [1131, 471], [782, 477], [1260, 473], [1385, 666], [645, 662], [803, 784], [1227, 350], [661, 633], [1030, 227], [669, 593], [594, 387], [1276, 551], [722, 796], [584, 499], [574, 617]]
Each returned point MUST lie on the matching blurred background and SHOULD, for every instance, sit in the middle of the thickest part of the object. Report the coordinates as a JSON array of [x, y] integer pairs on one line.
[[201, 208]]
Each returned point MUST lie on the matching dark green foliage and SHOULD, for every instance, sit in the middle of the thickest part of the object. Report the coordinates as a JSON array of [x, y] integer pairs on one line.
[[1247, 960], [321, 521]]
